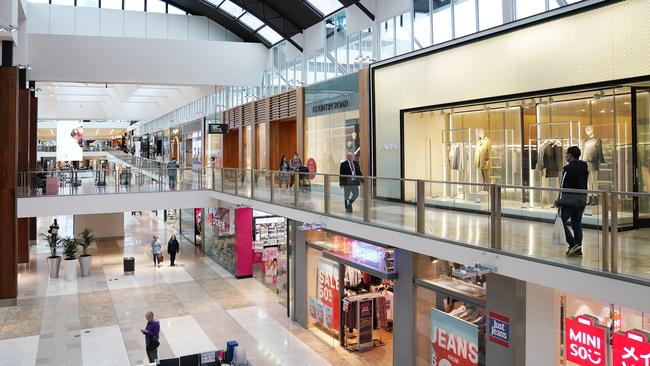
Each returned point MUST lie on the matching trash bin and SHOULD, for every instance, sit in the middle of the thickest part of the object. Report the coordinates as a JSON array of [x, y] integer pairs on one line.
[[230, 351], [129, 265]]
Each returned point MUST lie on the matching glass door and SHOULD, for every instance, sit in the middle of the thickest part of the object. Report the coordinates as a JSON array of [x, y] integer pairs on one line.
[[642, 156]]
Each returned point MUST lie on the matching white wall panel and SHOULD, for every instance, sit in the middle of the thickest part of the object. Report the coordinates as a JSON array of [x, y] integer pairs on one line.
[[135, 24], [38, 20], [217, 32], [357, 19], [177, 26], [129, 60], [314, 37], [87, 21], [199, 28], [156, 25], [108, 225], [390, 8], [111, 23], [62, 19]]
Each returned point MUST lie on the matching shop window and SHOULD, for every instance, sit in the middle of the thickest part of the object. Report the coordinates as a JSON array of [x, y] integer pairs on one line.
[[442, 23], [464, 17], [421, 24], [387, 39], [490, 13], [526, 8]]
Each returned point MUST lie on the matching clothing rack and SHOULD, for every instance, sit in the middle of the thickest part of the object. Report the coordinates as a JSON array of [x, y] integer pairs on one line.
[[464, 138], [364, 324]]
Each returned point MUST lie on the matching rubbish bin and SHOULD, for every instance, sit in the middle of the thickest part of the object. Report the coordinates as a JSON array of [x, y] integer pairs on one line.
[[129, 265]]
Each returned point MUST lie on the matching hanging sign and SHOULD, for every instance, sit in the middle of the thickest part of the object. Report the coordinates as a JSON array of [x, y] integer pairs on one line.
[[454, 342], [631, 348], [328, 294], [586, 341], [217, 128], [499, 329]]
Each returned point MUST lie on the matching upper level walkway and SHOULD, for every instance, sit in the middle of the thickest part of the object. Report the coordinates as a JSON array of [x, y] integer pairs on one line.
[[518, 239]]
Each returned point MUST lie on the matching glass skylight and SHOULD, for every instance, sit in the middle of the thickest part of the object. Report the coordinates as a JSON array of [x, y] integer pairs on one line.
[[270, 35], [251, 21], [214, 2], [326, 6], [171, 9], [231, 8]]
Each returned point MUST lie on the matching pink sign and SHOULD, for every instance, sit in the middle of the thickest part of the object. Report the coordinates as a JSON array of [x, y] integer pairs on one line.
[[311, 165], [586, 341]]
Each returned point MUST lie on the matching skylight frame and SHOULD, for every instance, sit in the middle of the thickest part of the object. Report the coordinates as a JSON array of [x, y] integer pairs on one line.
[[251, 21], [325, 7], [268, 34], [232, 9]]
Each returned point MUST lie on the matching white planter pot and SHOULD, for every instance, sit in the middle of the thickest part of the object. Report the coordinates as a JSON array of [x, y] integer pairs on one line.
[[70, 269]]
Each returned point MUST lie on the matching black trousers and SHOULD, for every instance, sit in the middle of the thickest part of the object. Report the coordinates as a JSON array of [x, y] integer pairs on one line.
[[172, 258], [573, 213], [350, 194], [152, 351]]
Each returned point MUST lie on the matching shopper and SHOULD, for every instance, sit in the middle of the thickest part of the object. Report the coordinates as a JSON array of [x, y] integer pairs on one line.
[[349, 170], [284, 169], [54, 228], [156, 250], [151, 337], [295, 165], [172, 171], [572, 205], [172, 249]]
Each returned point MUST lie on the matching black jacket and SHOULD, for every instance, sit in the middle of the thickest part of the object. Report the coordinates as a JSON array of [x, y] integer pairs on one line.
[[344, 169], [575, 176], [173, 247]]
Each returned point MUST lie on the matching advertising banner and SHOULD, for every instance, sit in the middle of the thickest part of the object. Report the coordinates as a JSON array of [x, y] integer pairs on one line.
[[69, 141], [586, 341], [454, 342], [631, 349], [499, 329], [328, 292], [270, 262]]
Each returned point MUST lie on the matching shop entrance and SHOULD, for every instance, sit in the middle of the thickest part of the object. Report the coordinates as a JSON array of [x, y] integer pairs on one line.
[[282, 141], [270, 248], [231, 149], [350, 294], [641, 132]]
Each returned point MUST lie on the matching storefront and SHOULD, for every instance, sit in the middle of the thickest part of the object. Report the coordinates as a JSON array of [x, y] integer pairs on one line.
[[334, 124], [213, 155], [176, 144], [219, 243], [270, 248], [350, 294], [191, 225]]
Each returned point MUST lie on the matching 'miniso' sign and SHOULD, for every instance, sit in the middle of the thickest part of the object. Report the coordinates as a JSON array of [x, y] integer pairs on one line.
[[586, 341]]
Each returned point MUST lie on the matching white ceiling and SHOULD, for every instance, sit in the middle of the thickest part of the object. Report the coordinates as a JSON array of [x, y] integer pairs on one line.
[[83, 101]]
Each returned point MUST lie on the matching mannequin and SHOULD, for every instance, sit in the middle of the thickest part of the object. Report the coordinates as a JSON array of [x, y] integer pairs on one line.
[[593, 155], [482, 156]]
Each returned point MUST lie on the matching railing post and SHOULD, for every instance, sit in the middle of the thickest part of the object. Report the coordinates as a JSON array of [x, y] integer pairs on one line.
[[296, 188], [160, 179], [613, 239], [604, 233], [223, 172], [272, 188], [253, 183], [420, 213], [367, 203], [237, 171], [326, 194], [495, 216]]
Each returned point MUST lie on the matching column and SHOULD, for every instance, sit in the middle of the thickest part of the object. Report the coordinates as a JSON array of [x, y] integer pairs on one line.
[[542, 326], [22, 242], [103, 226], [404, 310], [33, 141], [300, 274], [506, 297], [8, 161]]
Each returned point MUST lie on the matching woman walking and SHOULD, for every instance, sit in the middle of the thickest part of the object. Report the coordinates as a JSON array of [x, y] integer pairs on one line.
[[172, 249], [284, 172], [156, 250]]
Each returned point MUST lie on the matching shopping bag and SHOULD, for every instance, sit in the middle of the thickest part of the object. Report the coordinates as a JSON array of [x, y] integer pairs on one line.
[[559, 236]]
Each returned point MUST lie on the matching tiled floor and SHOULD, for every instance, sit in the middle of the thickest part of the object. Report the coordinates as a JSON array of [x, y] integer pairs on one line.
[[97, 320]]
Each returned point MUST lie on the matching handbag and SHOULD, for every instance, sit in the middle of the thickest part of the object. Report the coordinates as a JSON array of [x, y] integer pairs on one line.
[[559, 236], [567, 199]]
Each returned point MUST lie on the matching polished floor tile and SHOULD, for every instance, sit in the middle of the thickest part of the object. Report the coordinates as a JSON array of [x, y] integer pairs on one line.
[[103, 346], [19, 351], [185, 336]]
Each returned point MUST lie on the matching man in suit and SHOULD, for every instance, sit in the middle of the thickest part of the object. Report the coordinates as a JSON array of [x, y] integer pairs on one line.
[[348, 170]]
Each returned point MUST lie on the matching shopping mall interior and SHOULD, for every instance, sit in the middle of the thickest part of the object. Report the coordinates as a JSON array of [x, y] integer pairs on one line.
[[325, 182]]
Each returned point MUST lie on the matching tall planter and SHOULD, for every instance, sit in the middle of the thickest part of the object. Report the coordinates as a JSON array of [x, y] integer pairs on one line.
[[54, 264], [70, 269], [84, 263]]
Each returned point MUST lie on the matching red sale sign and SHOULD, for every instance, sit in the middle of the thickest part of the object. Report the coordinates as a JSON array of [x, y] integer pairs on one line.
[[586, 341], [328, 292], [631, 349]]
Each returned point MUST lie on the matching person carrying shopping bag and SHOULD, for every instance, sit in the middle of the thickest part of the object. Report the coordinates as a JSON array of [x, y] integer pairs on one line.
[[172, 249]]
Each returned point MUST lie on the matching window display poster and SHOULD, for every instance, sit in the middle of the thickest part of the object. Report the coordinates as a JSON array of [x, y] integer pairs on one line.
[[631, 349], [586, 341], [328, 290], [454, 342], [69, 141], [270, 260]]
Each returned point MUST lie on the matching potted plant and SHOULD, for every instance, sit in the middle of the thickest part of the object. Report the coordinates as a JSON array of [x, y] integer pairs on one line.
[[70, 248], [85, 239], [53, 261]]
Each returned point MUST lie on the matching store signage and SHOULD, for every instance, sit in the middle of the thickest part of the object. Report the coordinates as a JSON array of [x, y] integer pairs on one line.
[[327, 307], [330, 106], [367, 254], [586, 341], [311, 165], [454, 342], [217, 128], [631, 348], [390, 147], [499, 329]]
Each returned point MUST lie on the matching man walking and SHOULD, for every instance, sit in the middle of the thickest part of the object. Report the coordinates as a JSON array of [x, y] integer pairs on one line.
[[172, 171], [572, 205], [151, 337], [349, 170]]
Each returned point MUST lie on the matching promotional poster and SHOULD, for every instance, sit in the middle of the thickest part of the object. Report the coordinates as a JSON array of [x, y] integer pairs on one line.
[[328, 292], [69, 141], [454, 342]]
